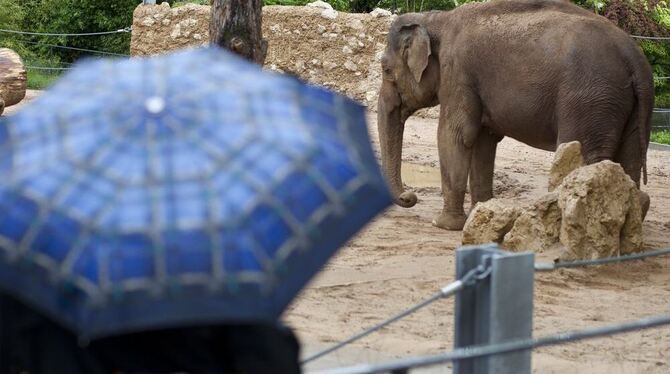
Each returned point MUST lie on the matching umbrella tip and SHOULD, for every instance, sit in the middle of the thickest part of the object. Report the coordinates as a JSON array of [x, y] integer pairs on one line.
[[155, 104]]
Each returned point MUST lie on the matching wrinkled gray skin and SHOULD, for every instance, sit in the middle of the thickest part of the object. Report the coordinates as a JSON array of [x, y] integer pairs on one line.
[[541, 72]]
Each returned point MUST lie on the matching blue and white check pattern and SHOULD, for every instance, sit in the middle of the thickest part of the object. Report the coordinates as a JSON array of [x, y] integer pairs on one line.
[[131, 180]]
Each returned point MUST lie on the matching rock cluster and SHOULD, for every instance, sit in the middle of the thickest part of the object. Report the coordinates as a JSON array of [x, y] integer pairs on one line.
[[594, 211]]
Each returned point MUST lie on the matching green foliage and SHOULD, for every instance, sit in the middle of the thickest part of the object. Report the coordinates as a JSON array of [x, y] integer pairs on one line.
[[39, 80], [11, 17], [180, 3], [341, 5], [662, 137], [650, 18]]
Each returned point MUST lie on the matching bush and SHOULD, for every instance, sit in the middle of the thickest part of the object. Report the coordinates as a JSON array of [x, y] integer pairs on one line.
[[650, 18]]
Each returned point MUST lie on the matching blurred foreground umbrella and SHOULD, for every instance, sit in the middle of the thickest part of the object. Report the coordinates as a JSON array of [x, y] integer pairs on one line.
[[187, 189]]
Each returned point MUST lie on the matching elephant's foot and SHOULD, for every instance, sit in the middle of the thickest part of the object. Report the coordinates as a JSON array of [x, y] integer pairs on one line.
[[450, 221], [644, 204]]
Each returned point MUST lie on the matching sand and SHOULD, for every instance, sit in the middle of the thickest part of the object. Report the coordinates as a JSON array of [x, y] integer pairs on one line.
[[400, 259]]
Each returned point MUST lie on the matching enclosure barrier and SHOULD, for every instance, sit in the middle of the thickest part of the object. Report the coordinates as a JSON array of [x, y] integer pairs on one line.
[[493, 315]]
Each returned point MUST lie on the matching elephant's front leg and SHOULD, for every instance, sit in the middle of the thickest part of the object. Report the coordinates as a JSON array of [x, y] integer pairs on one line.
[[482, 165], [457, 132]]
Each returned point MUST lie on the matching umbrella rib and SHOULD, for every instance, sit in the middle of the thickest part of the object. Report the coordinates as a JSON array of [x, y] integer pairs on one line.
[[160, 261]]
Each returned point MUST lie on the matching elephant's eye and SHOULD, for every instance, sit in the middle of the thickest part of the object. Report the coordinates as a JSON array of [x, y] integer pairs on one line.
[[387, 71]]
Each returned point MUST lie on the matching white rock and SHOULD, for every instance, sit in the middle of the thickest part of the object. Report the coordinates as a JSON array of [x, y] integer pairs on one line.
[[329, 14], [379, 55], [148, 22], [166, 22], [370, 96], [347, 50], [320, 29], [328, 65], [567, 158], [320, 4], [378, 12], [197, 36], [275, 28], [336, 28], [355, 24], [350, 66], [176, 32], [299, 66], [332, 35], [315, 62], [490, 221]]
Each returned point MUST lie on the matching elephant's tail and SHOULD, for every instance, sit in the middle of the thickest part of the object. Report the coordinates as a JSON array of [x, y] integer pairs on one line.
[[643, 85]]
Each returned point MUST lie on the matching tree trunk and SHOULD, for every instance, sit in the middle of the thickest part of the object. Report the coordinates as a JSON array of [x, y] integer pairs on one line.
[[13, 78], [236, 25]]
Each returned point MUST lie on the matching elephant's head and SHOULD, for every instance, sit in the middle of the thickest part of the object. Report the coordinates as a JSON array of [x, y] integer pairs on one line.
[[411, 77]]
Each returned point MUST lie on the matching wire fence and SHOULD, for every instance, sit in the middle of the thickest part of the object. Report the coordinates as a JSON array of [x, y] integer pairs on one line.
[[471, 278], [17, 32], [476, 274], [403, 365]]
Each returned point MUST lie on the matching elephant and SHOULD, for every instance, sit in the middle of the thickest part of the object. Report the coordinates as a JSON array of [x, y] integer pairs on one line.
[[542, 72]]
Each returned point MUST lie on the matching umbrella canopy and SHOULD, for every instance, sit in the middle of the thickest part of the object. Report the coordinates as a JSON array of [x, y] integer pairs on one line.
[[185, 189]]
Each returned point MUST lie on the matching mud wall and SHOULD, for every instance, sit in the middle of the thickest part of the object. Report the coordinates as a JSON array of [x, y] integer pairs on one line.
[[333, 49]]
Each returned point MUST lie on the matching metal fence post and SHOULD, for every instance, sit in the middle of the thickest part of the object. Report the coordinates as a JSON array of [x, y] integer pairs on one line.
[[496, 309]]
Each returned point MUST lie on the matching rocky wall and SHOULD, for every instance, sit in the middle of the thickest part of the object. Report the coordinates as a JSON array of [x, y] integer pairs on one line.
[[333, 49]]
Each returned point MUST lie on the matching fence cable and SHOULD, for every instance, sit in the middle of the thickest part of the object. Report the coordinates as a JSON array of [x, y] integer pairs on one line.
[[600, 261], [75, 48], [506, 347], [124, 30], [469, 279], [46, 68], [651, 37]]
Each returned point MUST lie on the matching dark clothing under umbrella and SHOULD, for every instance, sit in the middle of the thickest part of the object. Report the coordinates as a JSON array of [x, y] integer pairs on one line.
[[32, 343]]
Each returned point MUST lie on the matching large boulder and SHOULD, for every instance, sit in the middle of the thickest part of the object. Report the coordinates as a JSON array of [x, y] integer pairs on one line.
[[601, 212], [13, 78], [537, 228], [490, 221], [567, 158]]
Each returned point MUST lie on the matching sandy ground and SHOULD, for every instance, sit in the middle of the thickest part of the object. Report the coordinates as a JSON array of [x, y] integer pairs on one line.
[[400, 259]]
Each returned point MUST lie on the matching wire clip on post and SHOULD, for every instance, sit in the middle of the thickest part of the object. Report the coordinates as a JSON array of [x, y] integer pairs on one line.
[[498, 308]]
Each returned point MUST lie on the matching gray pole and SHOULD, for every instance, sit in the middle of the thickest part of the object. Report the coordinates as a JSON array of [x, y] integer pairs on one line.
[[496, 309]]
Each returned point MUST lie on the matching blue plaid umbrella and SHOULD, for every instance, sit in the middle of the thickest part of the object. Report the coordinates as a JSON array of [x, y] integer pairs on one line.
[[186, 189]]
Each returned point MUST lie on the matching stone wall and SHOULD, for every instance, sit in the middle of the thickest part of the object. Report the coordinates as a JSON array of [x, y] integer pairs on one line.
[[334, 49]]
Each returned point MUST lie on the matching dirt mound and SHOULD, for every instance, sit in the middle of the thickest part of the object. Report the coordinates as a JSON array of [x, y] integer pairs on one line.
[[341, 53]]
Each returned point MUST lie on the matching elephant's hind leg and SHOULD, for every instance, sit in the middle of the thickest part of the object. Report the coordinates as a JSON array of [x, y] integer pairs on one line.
[[482, 166], [629, 156]]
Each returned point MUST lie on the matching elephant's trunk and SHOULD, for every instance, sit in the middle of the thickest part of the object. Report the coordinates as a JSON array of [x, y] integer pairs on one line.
[[391, 126]]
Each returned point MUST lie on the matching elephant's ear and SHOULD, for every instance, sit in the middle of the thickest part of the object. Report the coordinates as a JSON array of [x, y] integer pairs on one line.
[[417, 49]]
